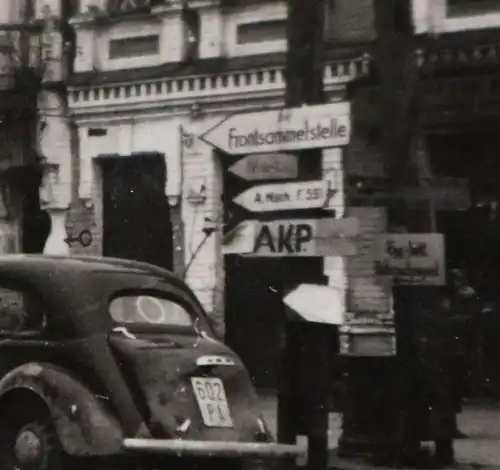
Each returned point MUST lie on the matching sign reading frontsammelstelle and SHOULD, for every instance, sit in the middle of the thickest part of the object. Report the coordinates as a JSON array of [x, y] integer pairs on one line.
[[307, 127]]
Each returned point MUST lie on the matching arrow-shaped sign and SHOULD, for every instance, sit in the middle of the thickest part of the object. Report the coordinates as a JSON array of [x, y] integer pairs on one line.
[[266, 166], [307, 127], [296, 237], [327, 307], [286, 196]]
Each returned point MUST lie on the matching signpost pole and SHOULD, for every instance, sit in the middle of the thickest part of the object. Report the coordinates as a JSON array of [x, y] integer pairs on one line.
[[304, 85]]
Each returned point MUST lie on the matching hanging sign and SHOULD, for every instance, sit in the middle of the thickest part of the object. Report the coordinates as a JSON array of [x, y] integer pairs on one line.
[[447, 193], [266, 166], [307, 127], [291, 238], [328, 305], [286, 196], [412, 259]]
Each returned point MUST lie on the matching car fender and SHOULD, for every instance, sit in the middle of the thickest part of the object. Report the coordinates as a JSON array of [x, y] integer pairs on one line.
[[82, 420]]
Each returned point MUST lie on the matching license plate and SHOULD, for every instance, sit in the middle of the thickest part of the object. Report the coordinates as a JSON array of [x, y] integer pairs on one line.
[[211, 397]]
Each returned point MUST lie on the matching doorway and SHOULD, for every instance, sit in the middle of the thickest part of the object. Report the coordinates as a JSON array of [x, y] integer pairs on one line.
[[136, 217], [255, 313], [472, 240]]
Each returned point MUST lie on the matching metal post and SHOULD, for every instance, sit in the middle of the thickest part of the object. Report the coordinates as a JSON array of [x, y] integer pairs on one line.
[[304, 85]]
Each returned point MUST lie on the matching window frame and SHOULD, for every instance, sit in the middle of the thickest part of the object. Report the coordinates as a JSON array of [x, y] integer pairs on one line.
[[259, 24], [8, 283], [114, 57], [483, 7], [189, 307]]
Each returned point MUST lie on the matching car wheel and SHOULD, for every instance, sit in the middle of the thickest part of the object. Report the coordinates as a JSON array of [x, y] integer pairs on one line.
[[28, 443]]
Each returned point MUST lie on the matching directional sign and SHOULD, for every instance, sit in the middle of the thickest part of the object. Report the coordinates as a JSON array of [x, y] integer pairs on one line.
[[300, 237], [412, 258], [328, 305], [447, 193], [286, 196], [307, 127], [267, 166]]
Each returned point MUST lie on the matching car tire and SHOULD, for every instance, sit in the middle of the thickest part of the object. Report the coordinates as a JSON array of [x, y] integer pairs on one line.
[[28, 441]]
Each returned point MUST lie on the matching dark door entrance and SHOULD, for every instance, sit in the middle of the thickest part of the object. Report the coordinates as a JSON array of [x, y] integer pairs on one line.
[[473, 245], [255, 316], [136, 219]]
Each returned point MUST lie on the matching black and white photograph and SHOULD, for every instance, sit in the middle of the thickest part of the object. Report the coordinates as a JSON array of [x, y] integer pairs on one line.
[[249, 234]]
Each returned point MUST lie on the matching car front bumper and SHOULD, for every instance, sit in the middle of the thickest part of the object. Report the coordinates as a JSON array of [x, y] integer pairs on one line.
[[186, 448]]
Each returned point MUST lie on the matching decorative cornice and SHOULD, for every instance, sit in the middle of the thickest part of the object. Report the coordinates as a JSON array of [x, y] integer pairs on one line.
[[99, 17], [248, 84], [458, 59]]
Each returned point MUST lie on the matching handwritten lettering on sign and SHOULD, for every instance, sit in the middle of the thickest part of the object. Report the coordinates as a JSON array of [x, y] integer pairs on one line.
[[318, 126], [285, 196], [297, 237], [269, 166], [287, 238], [415, 259]]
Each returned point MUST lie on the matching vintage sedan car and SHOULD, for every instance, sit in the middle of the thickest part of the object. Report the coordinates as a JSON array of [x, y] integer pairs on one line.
[[114, 362]]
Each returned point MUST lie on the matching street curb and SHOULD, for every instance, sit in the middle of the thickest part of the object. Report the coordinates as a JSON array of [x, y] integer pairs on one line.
[[358, 463]]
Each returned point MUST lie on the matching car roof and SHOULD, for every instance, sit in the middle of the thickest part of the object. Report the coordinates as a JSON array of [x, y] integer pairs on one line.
[[61, 266]]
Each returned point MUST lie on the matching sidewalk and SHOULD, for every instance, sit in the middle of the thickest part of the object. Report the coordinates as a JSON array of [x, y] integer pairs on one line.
[[480, 422]]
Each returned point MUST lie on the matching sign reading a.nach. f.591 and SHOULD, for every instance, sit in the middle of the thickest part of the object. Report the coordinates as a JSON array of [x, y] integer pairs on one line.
[[286, 196], [298, 237]]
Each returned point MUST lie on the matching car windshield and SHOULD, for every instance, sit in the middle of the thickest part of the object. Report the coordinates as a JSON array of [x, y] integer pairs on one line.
[[149, 310]]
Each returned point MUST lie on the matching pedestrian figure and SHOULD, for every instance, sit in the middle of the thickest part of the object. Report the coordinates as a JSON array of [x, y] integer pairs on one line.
[[436, 372]]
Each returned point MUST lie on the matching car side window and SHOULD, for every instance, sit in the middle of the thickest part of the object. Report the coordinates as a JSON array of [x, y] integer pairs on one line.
[[149, 309], [20, 311]]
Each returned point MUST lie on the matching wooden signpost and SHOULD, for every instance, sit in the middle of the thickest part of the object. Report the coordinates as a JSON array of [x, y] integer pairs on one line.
[[266, 166], [291, 238], [286, 196], [306, 127]]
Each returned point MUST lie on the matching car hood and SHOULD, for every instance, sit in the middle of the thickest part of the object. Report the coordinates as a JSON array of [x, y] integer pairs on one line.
[[167, 370]]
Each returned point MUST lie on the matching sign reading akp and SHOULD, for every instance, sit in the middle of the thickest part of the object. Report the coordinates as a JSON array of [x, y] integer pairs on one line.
[[307, 127], [412, 259], [285, 196], [290, 237]]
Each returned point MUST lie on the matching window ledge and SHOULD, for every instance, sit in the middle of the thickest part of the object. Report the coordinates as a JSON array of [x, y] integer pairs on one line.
[[485, 8]]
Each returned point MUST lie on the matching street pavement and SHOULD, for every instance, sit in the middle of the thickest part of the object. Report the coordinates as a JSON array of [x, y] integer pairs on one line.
[[481, 422]]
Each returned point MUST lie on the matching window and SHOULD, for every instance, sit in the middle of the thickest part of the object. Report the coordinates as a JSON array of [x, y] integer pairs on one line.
[[20, 311], [131, 6], [274, 30], [471, 7], [134, 47], [149, 310], [344, 23]]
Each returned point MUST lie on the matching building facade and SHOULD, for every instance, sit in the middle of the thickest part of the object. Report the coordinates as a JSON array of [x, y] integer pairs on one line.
[[148, 79], [24, 47]]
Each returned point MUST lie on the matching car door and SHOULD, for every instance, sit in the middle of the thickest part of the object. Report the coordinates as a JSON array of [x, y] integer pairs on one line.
[[23, 320]]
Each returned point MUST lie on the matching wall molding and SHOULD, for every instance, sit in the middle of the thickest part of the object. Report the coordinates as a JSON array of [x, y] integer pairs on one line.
[[247, 85]]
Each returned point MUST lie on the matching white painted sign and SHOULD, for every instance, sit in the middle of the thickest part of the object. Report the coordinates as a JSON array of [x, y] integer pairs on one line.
[[297, 237], [266, 166], [328, 305], [286, 196], [307, 127], [412, 259]]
